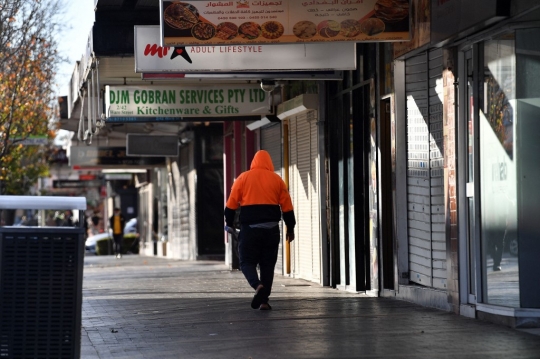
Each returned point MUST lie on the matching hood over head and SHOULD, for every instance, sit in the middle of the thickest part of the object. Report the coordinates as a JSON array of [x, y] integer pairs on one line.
[[262, 160]]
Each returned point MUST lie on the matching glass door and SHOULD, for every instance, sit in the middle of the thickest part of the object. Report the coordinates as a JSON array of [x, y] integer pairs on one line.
[[498, 179], [488, 175], [471, 247]]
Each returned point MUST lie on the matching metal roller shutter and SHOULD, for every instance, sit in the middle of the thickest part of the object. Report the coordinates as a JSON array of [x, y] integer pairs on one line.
[[145, 233], [182, 202], [304, 187], [425, 181], [271, 142], [436, 140], [174, 217], [293, 159], [314, 198]]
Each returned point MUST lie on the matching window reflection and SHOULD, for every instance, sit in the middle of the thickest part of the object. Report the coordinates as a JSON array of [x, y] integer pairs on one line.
[[498, 174]]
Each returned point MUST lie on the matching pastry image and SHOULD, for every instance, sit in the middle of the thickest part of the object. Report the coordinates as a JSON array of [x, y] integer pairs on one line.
[[329, 28], [272, 30], [181, 16], [249, 30], [304, 29], [226, 31], [391, 10], [350, 28], [203, 31], [372, 26]]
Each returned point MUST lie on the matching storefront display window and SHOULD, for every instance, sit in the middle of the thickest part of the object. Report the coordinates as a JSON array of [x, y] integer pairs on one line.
[[498, 178]]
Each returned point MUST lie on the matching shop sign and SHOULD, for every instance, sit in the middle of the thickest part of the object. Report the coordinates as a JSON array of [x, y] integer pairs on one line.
[[31, 140], [151, 57], [255, 76], [84, 156], [75, 184], [151, 145], [176, 119], [142, 119], [119, 176], [420, 28], [87, 177], [186, 101], [455, 17], [247, 22]]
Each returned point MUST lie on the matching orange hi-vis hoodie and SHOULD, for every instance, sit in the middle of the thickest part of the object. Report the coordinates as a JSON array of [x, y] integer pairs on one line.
[[261, 194]]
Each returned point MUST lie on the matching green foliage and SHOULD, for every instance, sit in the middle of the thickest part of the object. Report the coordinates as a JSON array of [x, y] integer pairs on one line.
[[28, 62], [130, 243], [21, 168]]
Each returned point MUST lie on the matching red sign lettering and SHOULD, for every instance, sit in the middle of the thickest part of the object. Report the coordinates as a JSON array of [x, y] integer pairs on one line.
[[155, 49]]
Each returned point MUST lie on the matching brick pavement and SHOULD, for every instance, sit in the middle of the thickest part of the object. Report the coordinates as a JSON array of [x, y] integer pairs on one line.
[[141, 307]]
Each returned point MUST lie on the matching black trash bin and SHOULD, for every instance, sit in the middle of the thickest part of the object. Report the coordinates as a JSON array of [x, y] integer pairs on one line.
[[41, 272]]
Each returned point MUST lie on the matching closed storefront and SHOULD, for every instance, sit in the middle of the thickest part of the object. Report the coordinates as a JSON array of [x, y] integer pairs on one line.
[[499, 174], [352, 178], [304, 189], [182, 224], [468, 97], [425, 170], [271, 142], [145, 214]]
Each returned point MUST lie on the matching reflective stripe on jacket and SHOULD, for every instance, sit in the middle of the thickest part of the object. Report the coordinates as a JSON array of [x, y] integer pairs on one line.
[[261, 194]]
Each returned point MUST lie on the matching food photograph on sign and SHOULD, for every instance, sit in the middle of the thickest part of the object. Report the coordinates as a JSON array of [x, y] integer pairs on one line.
[[287, 21]]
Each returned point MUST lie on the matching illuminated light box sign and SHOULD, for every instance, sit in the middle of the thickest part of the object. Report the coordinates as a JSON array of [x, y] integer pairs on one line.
[[152, 146], [142, 119], [255, 76], [178, 119], [76, 184], [279, 22], [150, 57], [186, 101], [98, 157]]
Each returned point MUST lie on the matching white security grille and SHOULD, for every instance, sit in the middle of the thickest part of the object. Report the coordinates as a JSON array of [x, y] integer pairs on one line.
[[271, 142], [425, 170], [304, 188]]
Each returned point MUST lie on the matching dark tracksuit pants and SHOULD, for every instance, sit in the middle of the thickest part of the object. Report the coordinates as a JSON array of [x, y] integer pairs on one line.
[[258, 246], [118, 243]]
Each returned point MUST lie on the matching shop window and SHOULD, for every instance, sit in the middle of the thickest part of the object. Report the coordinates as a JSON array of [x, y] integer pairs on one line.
[[498, 173]]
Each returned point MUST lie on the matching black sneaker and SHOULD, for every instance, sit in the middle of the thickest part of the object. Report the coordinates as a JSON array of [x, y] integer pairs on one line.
[[259, 297]]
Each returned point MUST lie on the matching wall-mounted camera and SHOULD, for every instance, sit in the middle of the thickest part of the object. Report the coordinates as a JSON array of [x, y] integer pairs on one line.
[[268, 85]]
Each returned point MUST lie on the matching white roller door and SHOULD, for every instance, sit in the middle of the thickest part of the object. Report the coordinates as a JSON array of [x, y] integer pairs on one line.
[[182, 220], [304, 188], [425, 181], [271, 142]]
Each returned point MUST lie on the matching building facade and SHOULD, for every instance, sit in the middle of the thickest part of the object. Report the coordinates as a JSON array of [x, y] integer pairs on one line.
[[413, 176]]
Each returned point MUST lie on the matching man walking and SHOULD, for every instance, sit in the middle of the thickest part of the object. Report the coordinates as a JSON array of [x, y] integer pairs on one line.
[[117, 222], [262, 197]]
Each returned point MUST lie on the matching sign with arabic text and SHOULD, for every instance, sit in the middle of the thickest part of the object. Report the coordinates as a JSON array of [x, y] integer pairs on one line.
[[186, 101], [244, 22]]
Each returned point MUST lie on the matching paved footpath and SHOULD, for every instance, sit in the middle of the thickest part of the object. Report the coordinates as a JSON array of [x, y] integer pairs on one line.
[[147, 307]]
